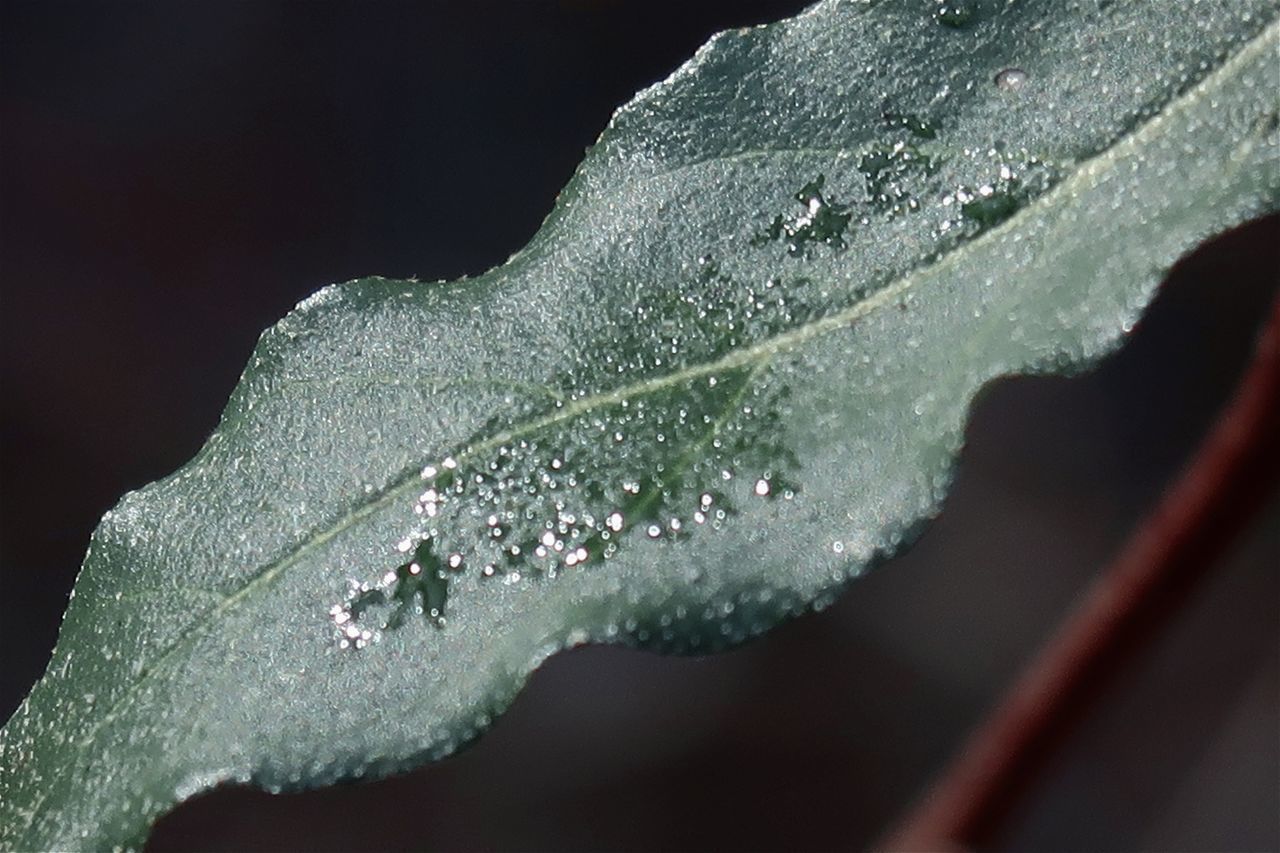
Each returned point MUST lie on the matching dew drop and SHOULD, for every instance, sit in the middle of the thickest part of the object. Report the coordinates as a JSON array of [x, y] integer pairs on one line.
[[1011, 79]]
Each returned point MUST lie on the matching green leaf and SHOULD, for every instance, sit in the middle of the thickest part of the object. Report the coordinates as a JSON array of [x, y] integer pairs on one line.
[[729, 374]]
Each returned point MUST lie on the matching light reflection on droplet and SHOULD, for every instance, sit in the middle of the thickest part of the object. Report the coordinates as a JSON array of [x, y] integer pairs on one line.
[[1011, 79]]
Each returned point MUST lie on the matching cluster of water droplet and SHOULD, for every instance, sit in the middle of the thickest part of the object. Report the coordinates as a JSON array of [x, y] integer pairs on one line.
[[892, 176], [890, 172], [1015, 180], [576, 490], [419, 585], [822, 221]]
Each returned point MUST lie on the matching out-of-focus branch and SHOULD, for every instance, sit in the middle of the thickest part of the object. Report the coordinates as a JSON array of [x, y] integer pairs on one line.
[[1227, 481]]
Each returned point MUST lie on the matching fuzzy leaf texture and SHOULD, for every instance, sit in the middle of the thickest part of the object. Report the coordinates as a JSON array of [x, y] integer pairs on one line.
[[729, 374]]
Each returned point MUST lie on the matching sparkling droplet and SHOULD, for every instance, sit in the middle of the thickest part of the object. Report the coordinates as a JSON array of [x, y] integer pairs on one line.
[[1011, 79]]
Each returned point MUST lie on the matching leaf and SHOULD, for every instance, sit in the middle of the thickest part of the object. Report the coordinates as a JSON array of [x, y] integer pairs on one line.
[[728, 375]]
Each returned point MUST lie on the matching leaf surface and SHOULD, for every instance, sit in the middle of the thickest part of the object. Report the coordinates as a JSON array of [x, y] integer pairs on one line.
[[728, 375]]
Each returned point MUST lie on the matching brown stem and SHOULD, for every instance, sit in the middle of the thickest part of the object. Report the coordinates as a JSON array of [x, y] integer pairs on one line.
[[1178, 544]]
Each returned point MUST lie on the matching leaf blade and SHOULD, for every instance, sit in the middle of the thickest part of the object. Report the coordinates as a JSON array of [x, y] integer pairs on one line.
[[198, 666]]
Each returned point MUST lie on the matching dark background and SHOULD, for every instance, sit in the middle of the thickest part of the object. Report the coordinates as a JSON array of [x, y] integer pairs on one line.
[[175, 176]]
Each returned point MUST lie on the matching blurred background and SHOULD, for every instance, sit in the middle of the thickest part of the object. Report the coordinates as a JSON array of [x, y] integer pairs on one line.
[[174, 176]]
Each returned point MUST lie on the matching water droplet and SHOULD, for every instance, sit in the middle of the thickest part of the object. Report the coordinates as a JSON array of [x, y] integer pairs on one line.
[[1011, 79]]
